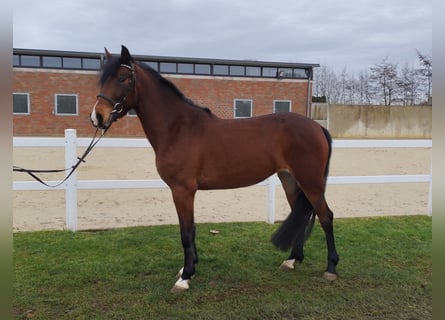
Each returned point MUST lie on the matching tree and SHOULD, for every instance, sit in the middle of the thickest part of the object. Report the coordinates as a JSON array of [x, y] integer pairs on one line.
[[385, 84], [364, 91], [325, 83], [408, 84], [384, 78], [426, 73]]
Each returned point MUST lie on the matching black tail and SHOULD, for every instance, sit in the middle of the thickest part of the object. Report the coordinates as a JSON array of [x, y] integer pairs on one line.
[[302, 218], [329, 139], [299, 223]]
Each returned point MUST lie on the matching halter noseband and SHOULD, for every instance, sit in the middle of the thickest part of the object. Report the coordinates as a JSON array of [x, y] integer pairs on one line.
[[118, 106]]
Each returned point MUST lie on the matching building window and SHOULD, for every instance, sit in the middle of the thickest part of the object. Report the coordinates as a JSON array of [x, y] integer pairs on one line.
[[219, 69], [186, 68], [236, 70], [16, 60], [168, 67], [152, 64], [66, 104], [91, 63], [202, 68], [269, 72], [285, 73], [253, 71], [300, 73], [72, 63], [243, 108], [30, 61], [281, 106], [52, 62], [20, 103]]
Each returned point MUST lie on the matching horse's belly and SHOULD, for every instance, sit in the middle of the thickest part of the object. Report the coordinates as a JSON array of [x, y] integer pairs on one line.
[[227, 177]]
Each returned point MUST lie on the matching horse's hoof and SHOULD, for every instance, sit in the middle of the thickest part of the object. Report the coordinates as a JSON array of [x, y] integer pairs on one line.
[[330, 276], [287, 265], [180, 286]]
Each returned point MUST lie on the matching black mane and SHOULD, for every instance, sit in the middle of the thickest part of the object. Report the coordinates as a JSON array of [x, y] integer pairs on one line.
[[112, 65], [170, 85]]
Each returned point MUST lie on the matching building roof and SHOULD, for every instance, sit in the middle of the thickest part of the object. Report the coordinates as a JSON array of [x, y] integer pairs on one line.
[[181, 65]]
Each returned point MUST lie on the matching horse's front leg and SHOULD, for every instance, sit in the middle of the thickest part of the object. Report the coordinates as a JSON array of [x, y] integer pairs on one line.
[[184, 199]]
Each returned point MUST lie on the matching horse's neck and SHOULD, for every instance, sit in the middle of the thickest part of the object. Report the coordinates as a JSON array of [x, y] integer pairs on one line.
[[158, 110]]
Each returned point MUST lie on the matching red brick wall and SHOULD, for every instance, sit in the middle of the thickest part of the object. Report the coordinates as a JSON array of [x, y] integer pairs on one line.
[[215, 93]]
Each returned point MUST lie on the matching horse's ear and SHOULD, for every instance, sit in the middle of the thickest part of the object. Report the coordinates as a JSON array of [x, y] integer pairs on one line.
[[125, 56], [107, 53]]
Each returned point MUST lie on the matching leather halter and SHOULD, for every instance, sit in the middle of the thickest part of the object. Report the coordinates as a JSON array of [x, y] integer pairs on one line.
[[118, 106]]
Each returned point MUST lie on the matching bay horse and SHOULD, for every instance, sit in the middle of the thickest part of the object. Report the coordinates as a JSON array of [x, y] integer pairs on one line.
[[196, 150]]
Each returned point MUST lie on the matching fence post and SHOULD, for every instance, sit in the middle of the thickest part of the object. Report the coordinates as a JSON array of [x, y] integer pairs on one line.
[[430, 192], [71, 183], [271, 190]]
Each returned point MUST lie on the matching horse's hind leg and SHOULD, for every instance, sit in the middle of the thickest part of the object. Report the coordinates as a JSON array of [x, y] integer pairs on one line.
[[293, 230], [326, 218]]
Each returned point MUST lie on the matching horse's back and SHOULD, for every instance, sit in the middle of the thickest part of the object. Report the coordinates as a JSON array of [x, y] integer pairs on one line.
[[278, 128], [245, 151]]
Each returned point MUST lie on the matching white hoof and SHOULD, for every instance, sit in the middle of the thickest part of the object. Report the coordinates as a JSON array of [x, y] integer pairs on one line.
[[180, 286], [288, 265], [330, 276]]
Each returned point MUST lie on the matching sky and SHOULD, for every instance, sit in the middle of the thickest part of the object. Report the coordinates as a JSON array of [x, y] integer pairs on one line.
[[354, 34]]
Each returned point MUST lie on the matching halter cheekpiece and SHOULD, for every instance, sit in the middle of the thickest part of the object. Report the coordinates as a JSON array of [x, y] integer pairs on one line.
[[118, 106]]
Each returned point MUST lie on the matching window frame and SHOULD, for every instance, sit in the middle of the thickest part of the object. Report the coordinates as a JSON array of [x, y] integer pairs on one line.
[[28, 106], [242, 100], [220, 70], [282, 100], [66, 95], [31, 61]]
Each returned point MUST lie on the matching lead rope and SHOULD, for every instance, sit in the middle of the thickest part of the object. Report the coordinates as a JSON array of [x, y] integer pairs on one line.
[[81, 159]]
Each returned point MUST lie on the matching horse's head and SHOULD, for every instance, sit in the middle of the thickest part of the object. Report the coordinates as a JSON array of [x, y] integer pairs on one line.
[[117, 92]]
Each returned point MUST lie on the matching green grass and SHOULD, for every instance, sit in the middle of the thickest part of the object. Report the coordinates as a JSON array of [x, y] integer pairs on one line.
[[385, 272]]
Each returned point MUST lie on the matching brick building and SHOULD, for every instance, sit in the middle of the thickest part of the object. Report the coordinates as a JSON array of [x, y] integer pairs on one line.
[[55, 90]]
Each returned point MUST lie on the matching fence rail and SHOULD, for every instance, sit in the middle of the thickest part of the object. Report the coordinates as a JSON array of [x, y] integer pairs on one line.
[[70, 142]]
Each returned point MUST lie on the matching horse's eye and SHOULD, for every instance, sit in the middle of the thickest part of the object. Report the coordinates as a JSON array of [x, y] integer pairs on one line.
[[122, 79]]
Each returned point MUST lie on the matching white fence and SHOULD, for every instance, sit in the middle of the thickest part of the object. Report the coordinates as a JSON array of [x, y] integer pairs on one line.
[[70, 142]]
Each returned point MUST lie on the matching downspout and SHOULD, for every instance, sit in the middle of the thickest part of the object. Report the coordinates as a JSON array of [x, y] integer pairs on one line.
[[309, 73]]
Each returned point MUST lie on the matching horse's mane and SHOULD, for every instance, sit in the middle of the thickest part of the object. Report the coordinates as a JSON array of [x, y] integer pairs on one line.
[[112, 65], [170, 85], [109, 69]]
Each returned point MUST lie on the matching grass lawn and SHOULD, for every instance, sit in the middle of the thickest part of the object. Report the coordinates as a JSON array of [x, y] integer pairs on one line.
[[385, 272]]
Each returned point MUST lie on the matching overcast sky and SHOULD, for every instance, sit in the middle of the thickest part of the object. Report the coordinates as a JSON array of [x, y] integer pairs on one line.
[[336, 33]]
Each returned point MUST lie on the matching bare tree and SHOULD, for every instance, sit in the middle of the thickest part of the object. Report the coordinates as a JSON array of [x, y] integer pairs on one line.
[[342, 86], [364, 91], [325, 84], [426, 73], [408, 84], [384, 78], [383, 84]]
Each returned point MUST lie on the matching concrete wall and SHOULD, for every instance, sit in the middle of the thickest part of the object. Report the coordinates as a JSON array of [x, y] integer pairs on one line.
[[380, 122]]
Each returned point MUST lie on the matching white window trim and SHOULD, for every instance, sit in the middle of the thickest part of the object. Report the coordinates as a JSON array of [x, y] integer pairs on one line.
[[274, 104], [66, 114], [29, 105], [234, 108]]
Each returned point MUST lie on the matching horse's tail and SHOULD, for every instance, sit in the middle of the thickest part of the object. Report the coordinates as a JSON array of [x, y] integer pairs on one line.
[[302, 218], [329, 140]]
